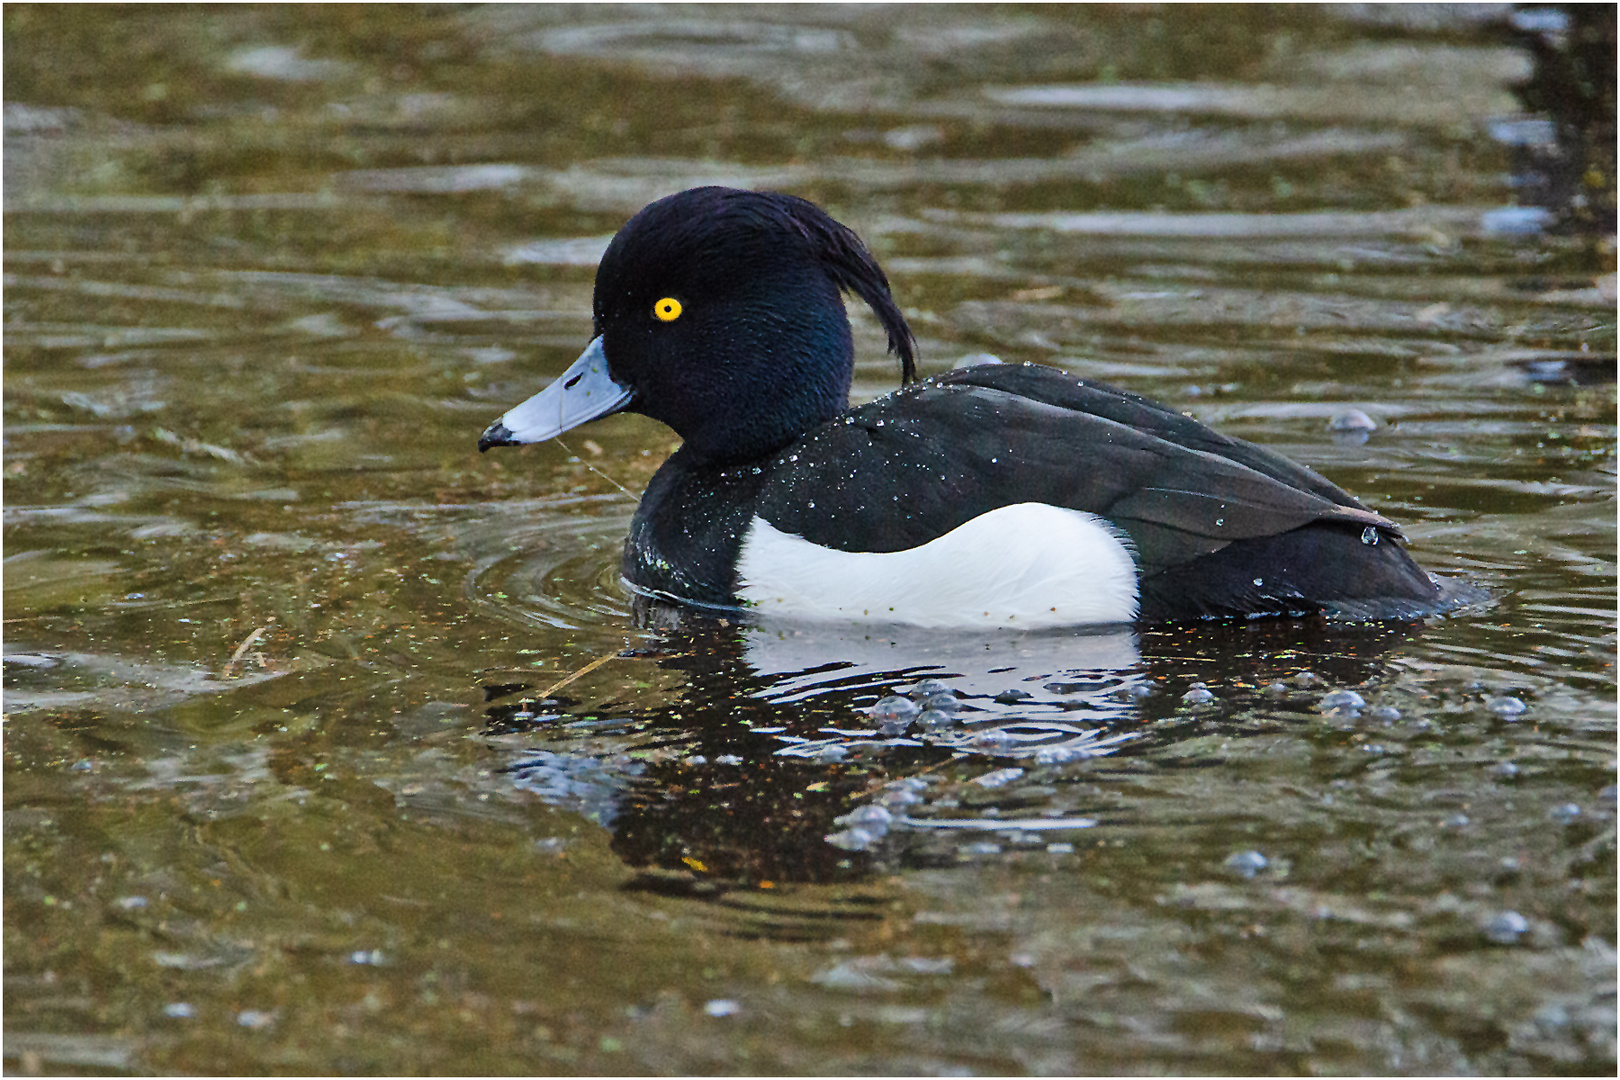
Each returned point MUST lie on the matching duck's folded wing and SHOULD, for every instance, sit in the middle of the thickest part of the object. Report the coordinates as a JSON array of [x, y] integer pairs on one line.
[[909, 468], [1055, 387]]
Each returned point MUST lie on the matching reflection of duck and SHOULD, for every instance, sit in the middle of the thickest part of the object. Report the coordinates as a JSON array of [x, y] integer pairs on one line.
[[993, 495], [1041, 670], [708, 785]]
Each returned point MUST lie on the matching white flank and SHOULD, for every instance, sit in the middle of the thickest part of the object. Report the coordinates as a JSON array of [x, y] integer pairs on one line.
[[1024, 566]]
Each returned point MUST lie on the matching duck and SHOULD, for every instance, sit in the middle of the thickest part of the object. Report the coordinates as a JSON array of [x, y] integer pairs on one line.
[[992, 495]]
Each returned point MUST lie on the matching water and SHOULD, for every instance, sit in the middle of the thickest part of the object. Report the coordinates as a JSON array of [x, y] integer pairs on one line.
[[293, 777]]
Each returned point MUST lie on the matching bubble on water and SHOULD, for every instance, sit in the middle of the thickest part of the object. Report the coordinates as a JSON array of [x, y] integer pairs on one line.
[[1344, 702], [930, 686], [1505, 771], [255, 1019], [1276, 690], [1198, 695], [1507, 706], [722, 1007], [867, 817], [1387, 713], [1137, 691], [942, 702], [1505, 928], [933, 718], [1352, 420], [999, 778], [1551, 1017], [895, 707], [853, 839], [179, 1010], [928, 965], [1012, 697], [1246, 863], [1565, 813], [1305, 680], [899, 797], [1515, 220]]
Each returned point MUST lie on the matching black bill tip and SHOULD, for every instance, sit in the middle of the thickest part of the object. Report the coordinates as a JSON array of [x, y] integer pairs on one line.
[[497, 434]]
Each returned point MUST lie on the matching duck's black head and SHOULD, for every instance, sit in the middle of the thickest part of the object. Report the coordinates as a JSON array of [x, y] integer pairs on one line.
[[719, 312]]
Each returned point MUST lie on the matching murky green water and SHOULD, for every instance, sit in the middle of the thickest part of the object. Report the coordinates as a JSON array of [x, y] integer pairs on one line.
[[283, 790]]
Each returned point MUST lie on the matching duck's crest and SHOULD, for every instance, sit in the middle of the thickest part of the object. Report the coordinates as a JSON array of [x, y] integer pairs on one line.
[[850, 263]]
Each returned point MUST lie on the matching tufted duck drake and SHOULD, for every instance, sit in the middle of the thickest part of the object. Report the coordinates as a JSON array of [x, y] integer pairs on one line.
[[1005, 495]]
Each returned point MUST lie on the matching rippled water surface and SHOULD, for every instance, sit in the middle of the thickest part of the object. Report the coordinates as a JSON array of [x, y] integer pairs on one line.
[[333, 746]]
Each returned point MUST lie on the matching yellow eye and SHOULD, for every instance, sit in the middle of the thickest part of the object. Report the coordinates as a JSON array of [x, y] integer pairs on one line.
[[668, 309]]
